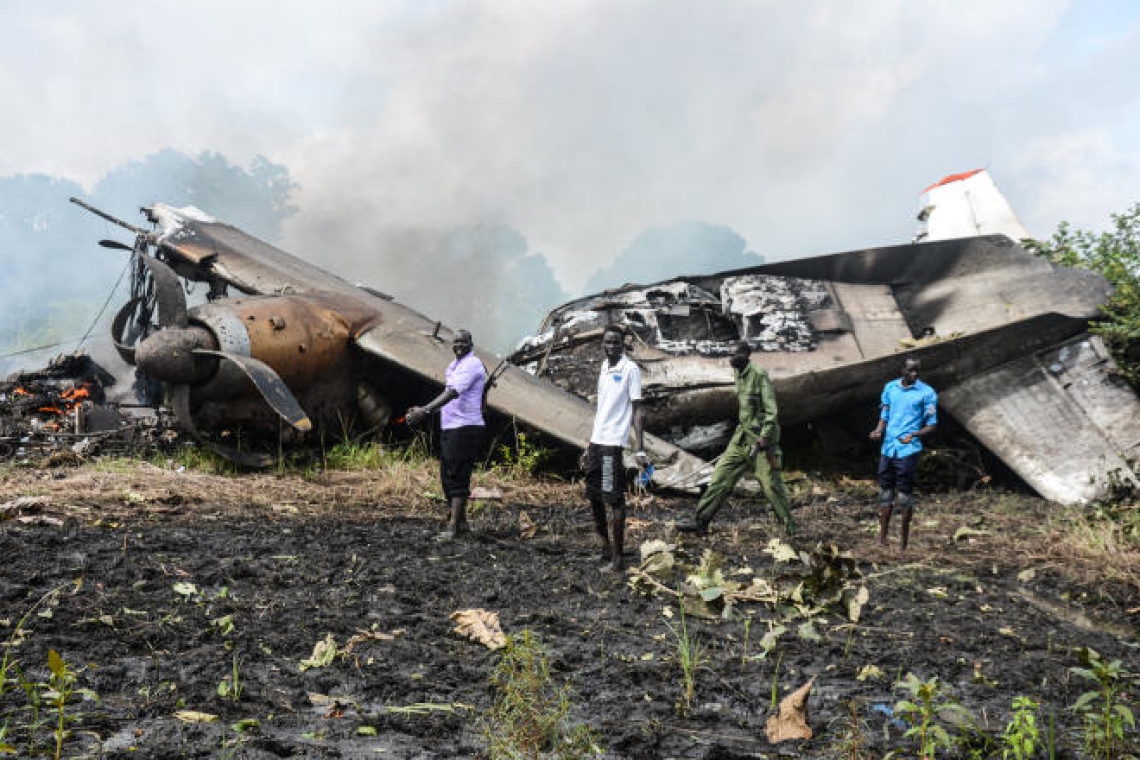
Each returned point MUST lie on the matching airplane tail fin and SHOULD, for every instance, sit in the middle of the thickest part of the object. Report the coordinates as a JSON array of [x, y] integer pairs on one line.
[[966, 205]]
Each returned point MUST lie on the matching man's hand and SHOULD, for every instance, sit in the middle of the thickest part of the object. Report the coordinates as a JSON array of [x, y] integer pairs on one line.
[[415, 415], [907, 438], [876, 434], [761, 444]]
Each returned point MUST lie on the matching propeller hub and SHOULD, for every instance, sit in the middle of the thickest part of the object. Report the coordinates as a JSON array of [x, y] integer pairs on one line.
[[168, 355]]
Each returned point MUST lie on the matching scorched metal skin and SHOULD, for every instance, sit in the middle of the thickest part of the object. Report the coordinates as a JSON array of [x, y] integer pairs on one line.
[[831, 330]]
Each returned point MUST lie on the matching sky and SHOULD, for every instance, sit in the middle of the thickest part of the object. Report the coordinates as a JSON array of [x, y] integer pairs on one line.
[[804, 127]]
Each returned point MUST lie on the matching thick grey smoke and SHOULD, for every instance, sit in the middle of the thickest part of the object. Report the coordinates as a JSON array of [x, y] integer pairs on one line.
[[556, 134], [60, 290]]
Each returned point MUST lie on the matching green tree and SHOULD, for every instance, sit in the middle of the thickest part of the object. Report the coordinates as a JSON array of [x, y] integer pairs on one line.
[[1115, 255]]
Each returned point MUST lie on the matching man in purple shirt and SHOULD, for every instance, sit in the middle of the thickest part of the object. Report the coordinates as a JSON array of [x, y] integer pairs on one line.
[[461, 421]]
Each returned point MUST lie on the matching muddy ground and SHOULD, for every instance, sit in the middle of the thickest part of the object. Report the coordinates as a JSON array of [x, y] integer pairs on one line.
[[151, 583]]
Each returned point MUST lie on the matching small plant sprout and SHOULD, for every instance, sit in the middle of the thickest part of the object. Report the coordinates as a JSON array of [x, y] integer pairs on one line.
[[528, 717], [851, 743], [1103, 710], [690, 655], [61, 687], [921, 712], [1021, 737], [230, 687]]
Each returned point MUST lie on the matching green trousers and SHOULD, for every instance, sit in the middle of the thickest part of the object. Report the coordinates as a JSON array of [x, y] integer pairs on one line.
[[733, 465]]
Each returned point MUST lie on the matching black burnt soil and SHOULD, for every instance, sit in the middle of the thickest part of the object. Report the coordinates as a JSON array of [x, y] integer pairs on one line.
[[152, 584]]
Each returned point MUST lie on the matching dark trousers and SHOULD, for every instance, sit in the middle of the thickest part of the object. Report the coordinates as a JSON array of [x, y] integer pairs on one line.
[[605, 474], [898, 473], [459, 449]]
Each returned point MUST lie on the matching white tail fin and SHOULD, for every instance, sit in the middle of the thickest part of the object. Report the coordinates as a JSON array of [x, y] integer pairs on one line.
[[966, 205]]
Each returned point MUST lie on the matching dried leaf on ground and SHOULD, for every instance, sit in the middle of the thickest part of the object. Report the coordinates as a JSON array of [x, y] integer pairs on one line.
[[780, 551], [362, 636], [855, 601], [193, 716], [323, 653], [791, 719], [481, 626], [527, 528]]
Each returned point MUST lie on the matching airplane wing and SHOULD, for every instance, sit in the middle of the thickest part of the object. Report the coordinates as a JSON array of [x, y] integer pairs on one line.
[[198, 247], [1060, 418], [423, 347]]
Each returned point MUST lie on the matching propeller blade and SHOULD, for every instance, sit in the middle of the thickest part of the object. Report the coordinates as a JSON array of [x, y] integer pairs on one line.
[[117, 327], [116, 245], [171, 299], [271, 387], [180, 400]]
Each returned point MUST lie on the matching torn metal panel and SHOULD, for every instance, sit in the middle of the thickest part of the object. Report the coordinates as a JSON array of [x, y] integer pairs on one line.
[[1058, 417]]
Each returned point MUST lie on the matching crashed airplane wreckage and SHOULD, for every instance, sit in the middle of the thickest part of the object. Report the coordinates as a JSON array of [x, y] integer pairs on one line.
[[287, 348], [1002, 335]]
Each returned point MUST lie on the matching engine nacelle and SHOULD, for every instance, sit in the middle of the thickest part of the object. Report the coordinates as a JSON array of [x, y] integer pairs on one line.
[[306, 343]]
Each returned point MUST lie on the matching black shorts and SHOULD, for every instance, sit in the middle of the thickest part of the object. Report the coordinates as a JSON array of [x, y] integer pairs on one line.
[[459, 449], [605, 474], [898, 473]]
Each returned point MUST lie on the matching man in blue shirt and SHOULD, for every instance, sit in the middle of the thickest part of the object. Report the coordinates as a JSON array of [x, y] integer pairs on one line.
[[908, 412]]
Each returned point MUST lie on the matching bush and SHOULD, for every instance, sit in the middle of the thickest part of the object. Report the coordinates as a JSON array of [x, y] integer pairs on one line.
[[1116, 256]]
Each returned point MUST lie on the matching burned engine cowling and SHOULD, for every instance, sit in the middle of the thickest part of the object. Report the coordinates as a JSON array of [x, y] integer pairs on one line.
[[308, 343]]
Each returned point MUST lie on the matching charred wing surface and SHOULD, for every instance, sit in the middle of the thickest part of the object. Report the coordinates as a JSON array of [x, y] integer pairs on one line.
[[1061, 419], [829, 330]]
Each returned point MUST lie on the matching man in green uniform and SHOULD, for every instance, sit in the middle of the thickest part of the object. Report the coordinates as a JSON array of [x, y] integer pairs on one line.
[[755, 448]]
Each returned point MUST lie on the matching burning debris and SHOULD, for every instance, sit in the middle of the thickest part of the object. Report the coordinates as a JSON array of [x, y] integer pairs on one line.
[[62, 412]]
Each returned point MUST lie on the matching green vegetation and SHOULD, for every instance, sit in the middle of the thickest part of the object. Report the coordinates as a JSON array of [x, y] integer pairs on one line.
[[851, 743], [354, 454], [921, 711], [1021, 737], [201, 459], [56, 694], [230, 687], [528, 718], [690, 654], [61, 687], [1116, 256], [524, 458], [1104, 710]]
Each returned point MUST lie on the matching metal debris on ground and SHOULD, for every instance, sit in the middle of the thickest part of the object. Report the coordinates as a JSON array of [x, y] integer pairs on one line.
[[61, 415]]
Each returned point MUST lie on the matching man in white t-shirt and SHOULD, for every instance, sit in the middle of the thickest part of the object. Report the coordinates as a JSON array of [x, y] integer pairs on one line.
[[619, 408]]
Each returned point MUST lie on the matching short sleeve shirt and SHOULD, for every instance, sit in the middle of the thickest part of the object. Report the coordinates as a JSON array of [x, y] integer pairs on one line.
[[465, 376], [618, 387], [906, 410]]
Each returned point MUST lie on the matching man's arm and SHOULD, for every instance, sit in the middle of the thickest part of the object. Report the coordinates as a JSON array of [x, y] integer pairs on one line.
[[417, 413], [770, 420], [638, 433], [877, 433], [884, 414], [922, 432]]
